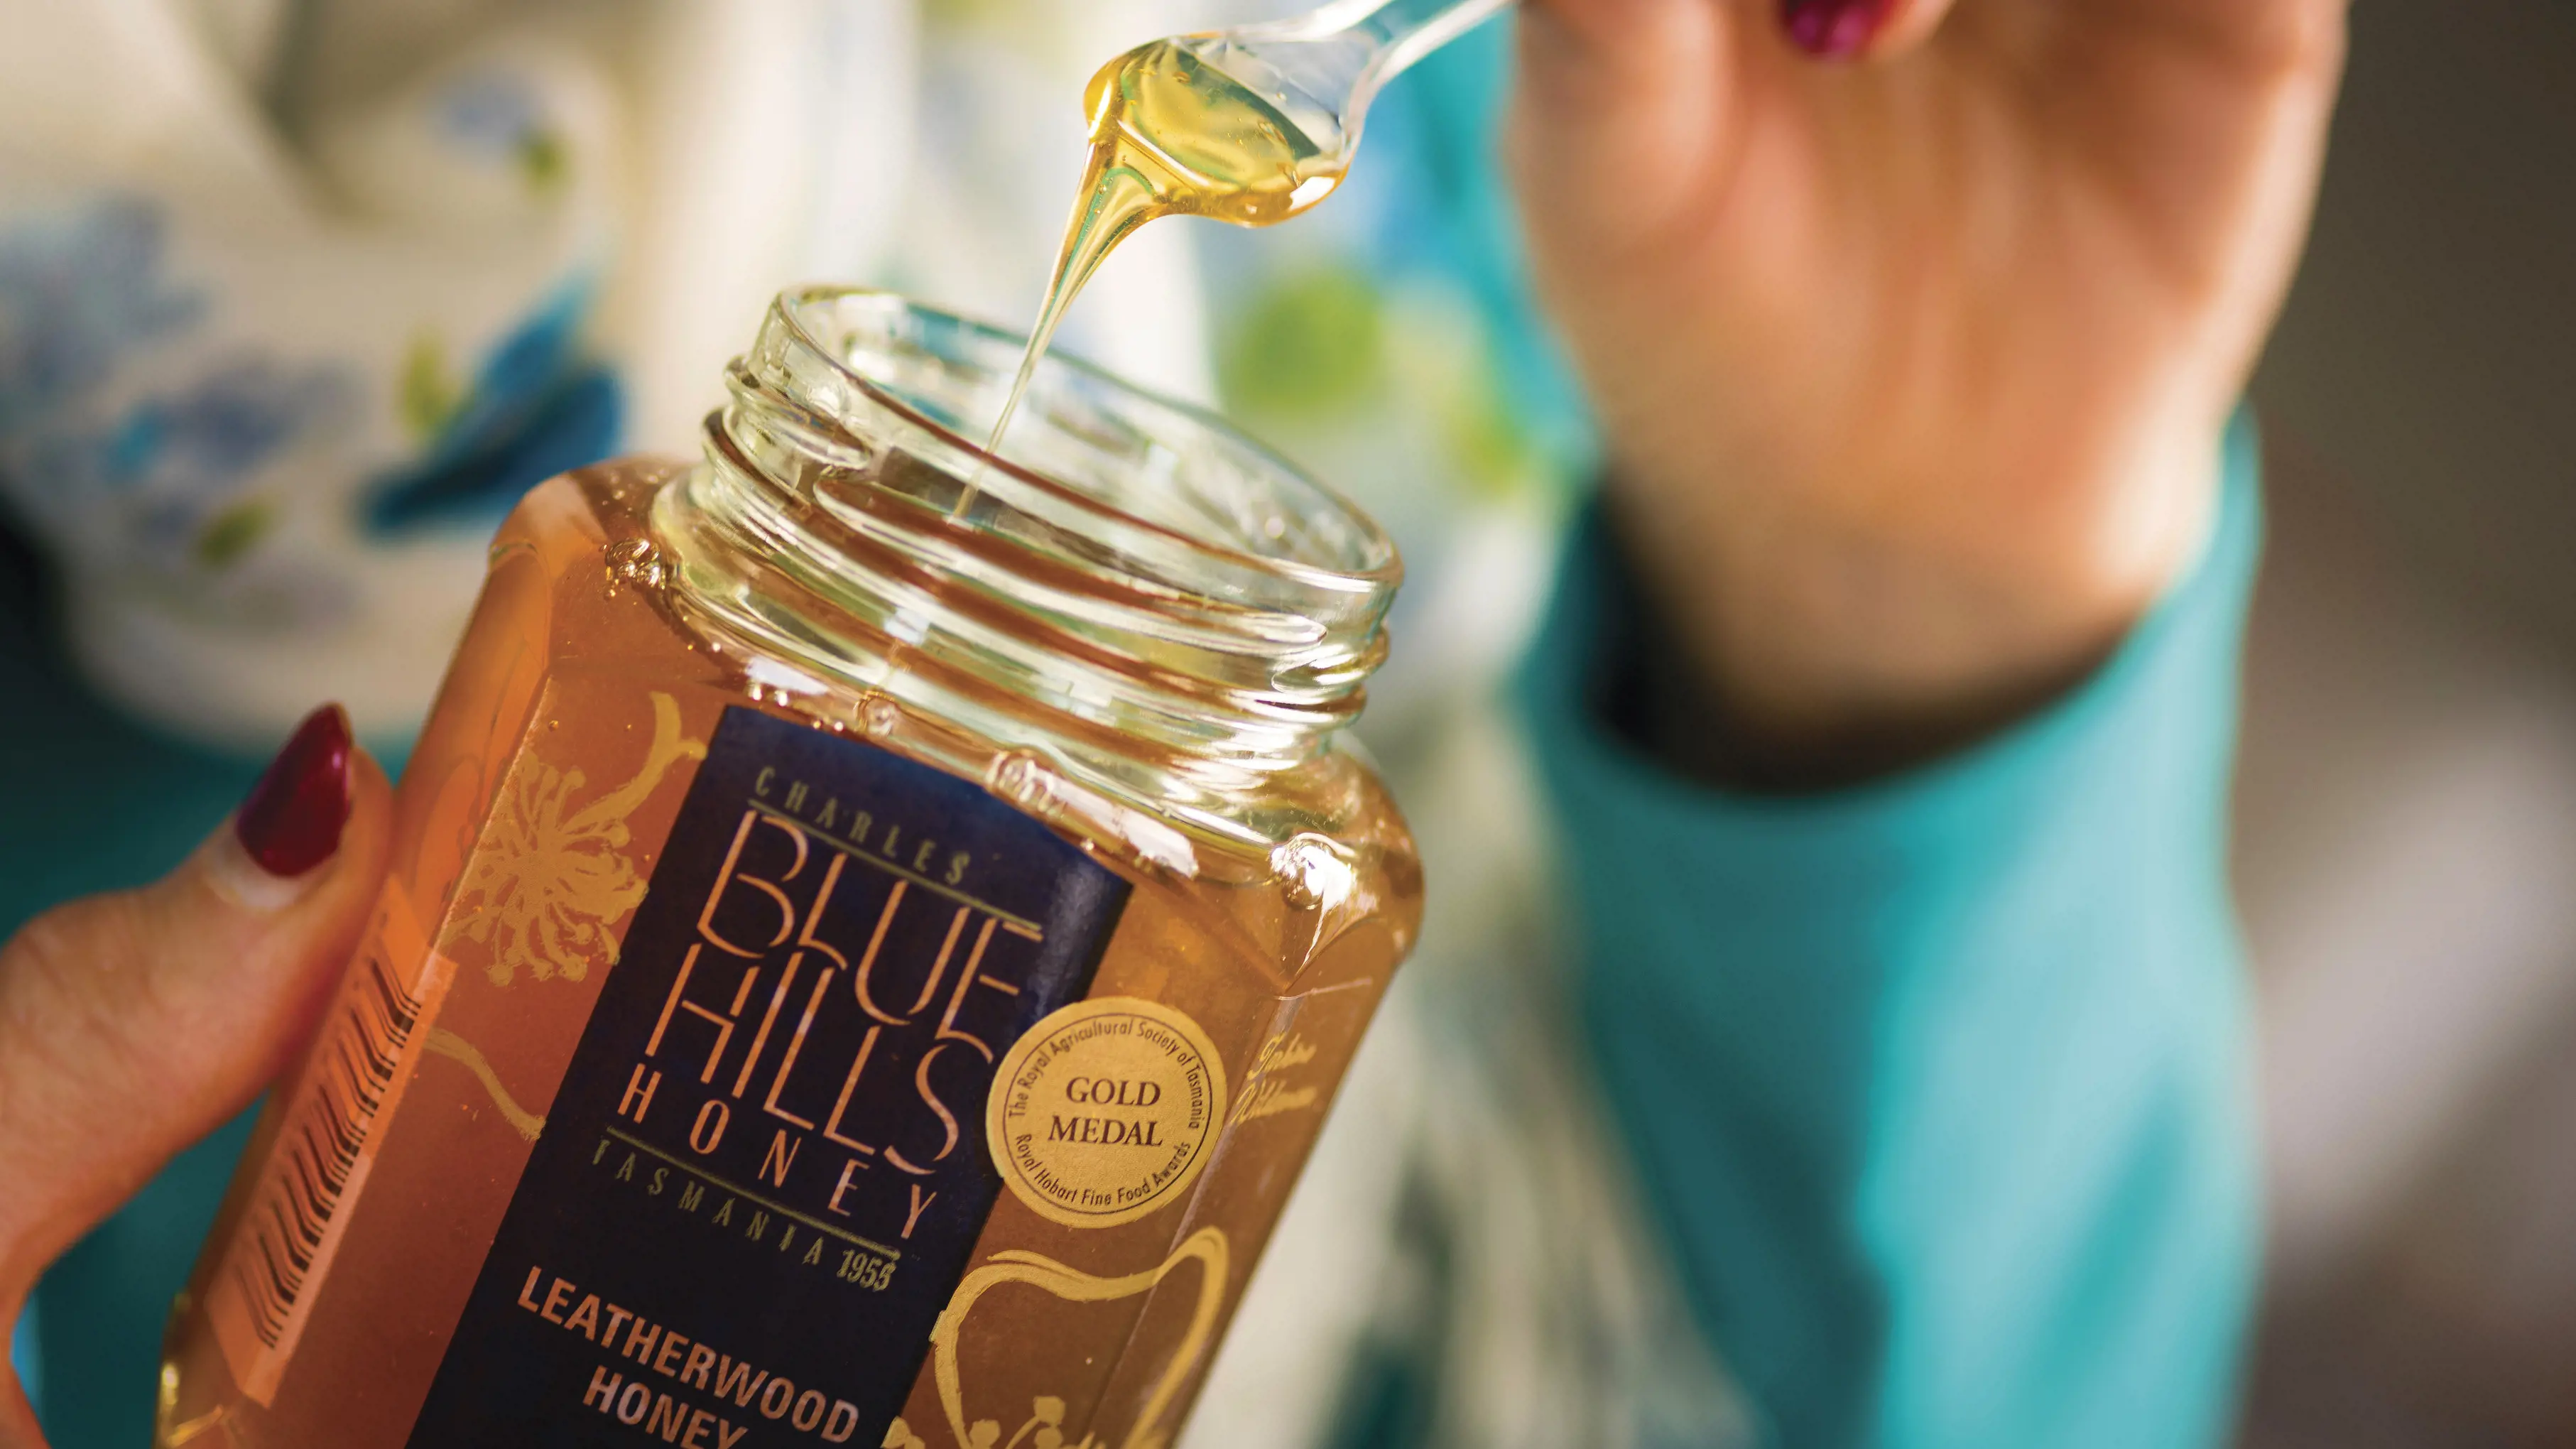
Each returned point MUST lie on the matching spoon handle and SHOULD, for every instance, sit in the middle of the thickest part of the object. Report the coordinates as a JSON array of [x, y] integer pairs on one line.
[[1408, 30], [1346, 49]]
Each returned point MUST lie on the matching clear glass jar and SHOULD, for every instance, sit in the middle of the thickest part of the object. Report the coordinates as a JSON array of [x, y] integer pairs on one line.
[[873, 932]]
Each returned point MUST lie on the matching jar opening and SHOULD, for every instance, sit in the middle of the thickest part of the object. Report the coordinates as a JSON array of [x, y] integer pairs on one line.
[[1143, 582], [1084, 441]]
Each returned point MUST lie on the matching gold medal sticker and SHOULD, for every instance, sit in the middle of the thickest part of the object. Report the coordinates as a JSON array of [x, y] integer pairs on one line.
[[1106, 1110]]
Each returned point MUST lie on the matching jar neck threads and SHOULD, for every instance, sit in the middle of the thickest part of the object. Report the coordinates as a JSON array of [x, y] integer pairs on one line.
[[1138, 592]]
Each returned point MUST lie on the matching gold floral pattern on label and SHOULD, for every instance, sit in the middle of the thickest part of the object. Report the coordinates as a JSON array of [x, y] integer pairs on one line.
[[552, 880], [1105, 1111]]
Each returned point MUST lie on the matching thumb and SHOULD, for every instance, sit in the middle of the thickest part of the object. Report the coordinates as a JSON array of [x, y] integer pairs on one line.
[[132, 1023], [1624, 113], [1631, 108], [1840, 29]]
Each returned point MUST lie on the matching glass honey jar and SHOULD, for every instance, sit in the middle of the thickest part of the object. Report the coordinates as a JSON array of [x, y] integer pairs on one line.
[[873, 932]]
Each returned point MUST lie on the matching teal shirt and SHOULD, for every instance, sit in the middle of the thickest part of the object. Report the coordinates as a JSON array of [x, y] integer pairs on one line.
[[1939, 1087]]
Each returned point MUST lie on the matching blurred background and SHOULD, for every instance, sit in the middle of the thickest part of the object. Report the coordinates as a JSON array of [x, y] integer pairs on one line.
[[2406, 845]]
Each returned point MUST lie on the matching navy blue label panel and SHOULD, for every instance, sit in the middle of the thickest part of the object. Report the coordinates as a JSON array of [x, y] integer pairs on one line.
[[764, 1171]]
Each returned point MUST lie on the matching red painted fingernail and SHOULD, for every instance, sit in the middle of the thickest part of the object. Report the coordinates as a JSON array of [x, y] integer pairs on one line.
[[291, 820], [1834, 28]]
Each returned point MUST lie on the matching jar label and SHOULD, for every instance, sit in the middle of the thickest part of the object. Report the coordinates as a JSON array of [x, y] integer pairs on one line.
[[1106, 1110], [760, 1179]]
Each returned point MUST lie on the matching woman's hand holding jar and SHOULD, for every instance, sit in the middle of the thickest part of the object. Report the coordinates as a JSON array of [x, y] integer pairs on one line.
[[134, 1023]]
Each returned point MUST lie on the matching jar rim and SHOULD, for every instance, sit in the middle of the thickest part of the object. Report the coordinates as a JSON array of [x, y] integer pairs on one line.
[[1147, 593], [1375, 572]]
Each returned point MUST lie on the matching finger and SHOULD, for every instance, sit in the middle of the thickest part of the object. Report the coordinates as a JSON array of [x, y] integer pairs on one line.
[[2276, 37], [1624, 108], [1853, 29], [133, 1023]]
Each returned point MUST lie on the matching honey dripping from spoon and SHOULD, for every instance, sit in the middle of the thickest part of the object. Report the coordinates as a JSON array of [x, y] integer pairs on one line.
[[1171, 135]]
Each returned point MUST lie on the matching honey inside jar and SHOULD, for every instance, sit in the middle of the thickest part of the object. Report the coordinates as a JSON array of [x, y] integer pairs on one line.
[[861, 958]]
